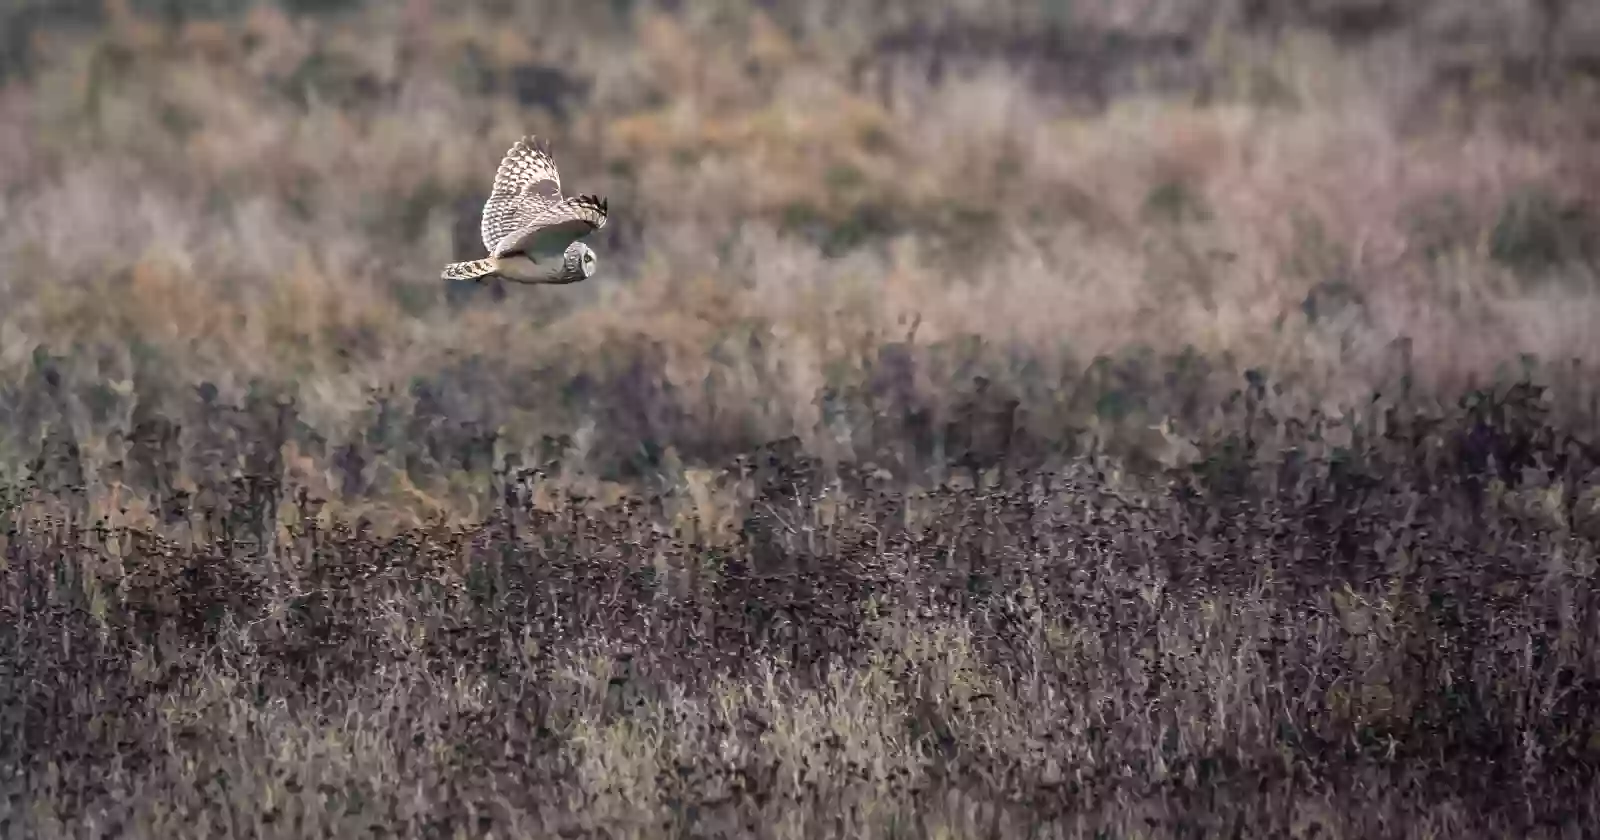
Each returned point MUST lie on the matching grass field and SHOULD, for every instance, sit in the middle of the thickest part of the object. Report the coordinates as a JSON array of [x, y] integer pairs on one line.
[[1096, 419]]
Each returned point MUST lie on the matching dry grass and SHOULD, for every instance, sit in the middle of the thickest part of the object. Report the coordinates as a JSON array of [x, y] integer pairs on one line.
[[953, 252]]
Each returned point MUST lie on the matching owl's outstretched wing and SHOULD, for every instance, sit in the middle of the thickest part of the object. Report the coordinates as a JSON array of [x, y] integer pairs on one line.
[[551, 230], [526, 186]]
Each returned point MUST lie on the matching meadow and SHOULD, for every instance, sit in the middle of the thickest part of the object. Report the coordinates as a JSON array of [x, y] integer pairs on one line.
[[1028, 418]]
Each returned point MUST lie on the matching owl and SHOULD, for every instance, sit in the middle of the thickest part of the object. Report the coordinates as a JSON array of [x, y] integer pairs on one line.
[[531, 230]]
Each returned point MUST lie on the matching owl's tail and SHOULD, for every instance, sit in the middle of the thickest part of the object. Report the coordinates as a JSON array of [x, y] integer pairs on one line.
[[469, 270]]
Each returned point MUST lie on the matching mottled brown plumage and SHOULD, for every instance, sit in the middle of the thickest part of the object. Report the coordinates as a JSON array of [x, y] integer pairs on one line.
[[529, 228]]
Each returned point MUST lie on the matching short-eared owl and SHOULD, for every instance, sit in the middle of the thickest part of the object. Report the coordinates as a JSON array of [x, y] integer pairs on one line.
[[530, 229]]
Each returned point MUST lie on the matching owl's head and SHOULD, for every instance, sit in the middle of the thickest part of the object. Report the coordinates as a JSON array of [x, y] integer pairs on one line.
[[580, 262], [588, 263]]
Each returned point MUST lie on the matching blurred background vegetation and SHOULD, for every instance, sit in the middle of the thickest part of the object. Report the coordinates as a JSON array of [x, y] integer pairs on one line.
[[831, 219], [1154, 417]]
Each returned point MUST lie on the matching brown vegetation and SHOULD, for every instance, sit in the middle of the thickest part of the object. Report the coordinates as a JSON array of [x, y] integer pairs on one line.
[[1091, 419]]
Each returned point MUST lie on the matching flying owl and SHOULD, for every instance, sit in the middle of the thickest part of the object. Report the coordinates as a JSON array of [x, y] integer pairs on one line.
[[529, 228]]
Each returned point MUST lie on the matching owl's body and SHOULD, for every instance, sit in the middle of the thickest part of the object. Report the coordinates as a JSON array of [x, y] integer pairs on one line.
[[570, 266], [529, 228]]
